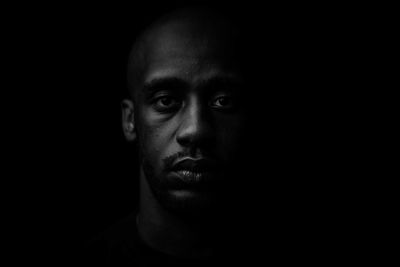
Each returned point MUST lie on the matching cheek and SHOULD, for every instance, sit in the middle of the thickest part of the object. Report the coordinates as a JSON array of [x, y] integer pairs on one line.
[[155, 139], [152, 140]]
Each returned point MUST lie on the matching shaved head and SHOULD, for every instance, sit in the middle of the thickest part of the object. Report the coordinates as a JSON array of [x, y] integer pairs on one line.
[[201, 28]]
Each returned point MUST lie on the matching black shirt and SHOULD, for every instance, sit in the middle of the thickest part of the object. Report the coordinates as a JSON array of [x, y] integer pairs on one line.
[[121, 245]]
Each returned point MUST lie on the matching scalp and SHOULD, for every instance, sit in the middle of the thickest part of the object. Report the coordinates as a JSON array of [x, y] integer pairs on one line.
[[195, 23]]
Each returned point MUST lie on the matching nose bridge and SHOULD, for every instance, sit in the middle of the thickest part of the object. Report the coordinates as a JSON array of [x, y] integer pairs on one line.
[[195, 126]]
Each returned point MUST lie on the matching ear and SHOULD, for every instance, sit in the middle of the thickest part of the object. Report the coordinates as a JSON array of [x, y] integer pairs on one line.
[[128, 121]]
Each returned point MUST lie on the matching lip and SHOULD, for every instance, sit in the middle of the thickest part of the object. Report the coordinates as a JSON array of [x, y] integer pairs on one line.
[[194, 167], [190, 180], [193, 177], [196, 174]]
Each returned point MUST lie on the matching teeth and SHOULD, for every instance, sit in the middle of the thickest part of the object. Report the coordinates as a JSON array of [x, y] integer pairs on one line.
[[189, 172], [191, 175]]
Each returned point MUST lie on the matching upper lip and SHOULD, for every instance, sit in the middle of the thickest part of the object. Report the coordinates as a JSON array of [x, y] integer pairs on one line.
[[194, 165]]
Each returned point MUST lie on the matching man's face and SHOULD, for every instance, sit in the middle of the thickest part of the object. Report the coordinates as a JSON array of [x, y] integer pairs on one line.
[[189, 117]]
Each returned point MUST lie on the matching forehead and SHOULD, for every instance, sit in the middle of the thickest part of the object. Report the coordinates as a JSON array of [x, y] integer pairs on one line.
[[188, 51]]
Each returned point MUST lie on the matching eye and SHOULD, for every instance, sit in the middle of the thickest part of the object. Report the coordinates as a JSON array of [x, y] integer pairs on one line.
[[223, 102], [166, 103]]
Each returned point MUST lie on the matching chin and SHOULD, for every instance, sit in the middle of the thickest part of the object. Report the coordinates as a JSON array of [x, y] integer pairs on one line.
[[188, 201]]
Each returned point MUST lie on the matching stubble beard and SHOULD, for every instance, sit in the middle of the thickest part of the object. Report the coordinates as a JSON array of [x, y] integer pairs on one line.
[[205, 203]]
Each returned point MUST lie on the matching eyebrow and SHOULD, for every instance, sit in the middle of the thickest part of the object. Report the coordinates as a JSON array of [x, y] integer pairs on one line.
[[167, 83], [174, 83]]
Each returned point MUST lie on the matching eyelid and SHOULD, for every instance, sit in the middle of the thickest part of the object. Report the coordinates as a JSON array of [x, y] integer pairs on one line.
[[158, 98], [154, 96], [223, 96], [226, 95]]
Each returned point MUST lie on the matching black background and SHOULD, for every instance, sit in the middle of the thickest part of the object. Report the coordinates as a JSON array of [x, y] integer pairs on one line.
[[76, 175]]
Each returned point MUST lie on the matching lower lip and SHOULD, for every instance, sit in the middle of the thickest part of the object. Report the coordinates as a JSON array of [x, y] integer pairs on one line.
[[194, 177]]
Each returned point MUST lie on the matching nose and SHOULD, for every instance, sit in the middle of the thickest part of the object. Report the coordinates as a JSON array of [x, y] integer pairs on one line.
[[196, 128]]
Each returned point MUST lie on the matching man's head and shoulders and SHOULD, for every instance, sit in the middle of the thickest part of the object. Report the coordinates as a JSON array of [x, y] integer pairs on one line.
[[187, 114], [227, 133]]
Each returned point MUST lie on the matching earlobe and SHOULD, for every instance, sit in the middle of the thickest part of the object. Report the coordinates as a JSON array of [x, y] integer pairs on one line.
[[128, 121]]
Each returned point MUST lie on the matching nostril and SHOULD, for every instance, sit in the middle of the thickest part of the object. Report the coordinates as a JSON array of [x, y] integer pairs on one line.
[[187, 135]]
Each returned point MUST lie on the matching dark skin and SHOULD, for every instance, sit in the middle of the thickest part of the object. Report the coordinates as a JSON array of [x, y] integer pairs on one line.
[[188, 119]]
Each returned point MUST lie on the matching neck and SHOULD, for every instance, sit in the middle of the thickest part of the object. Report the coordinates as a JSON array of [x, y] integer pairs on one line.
[[169, 233]]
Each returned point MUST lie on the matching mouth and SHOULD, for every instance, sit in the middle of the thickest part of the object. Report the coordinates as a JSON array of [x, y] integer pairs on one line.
[[192, 181], [193, 176], [196, 173]]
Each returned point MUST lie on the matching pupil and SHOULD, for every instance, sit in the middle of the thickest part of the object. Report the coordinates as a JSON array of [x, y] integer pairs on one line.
[[166, 101]]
